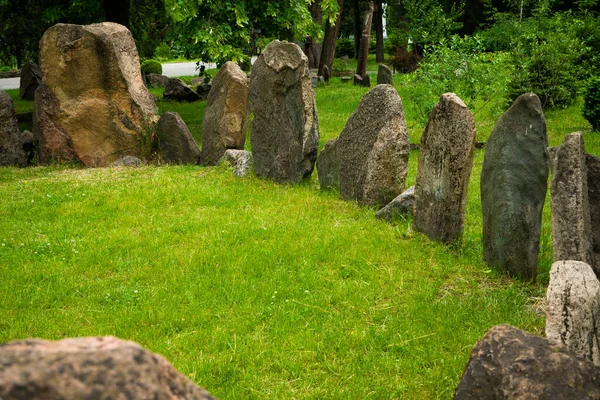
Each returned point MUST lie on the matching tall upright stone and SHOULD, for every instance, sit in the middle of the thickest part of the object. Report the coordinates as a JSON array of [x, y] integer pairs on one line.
[[285, 131], [445, 162], [175, 141], [227, 114], [92, 106], [16, 147], [573, 308], [371, 154], [385, 75], [513, 188], [593, 175], [571, 224]]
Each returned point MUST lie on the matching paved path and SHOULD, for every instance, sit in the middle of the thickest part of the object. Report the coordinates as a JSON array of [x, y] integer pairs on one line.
[[9, 83]]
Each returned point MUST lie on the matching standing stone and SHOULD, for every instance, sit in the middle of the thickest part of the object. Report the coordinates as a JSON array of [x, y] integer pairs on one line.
[[90, 368], [385, 75], [371, 153], [92, 106], [31, 77], [593, 175], [16, 148], [175, 141], [285, 131], [328, 166], [445, 162], [573, 308], [571, 226], [176, 89], [227, 114], [513, 188]]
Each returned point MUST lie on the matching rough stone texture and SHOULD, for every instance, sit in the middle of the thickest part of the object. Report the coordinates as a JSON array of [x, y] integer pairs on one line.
[[362, 80], [513, 188], [31, 77], [90, 368], [326, 73], [571, 224], [372, 150], [508, 363], [328, 167], [92, 106], [285, 131], [16, 148], [203, 90], [227, 114], [401, 206], [593, 176], [240, 160], [385, 75], [127, 161], [175, 141], [445, 161], [176, 89], [573, 308], [157, 80]]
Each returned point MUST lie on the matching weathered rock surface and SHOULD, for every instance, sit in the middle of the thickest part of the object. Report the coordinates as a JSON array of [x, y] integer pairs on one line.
[[31, 77], [92, 106], [445, 162], [573, 308], [240, 160], [285, 131], [127, 161], [362, 80], [227, 114], [90, 368], [176, 89], [157, 80], [593, 174], [371, 153], [401, 206], [175, 141], [16, 148], [328, 167], [385, 75], [513, 188], [508, 363], [571, 224], [203, 90]]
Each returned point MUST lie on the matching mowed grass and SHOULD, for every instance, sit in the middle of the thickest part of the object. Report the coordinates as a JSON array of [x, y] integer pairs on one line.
[[257, 290]]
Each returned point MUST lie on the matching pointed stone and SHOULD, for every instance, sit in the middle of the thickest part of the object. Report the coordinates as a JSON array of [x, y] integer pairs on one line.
[[385, 75], [31, 77], [175, 141]]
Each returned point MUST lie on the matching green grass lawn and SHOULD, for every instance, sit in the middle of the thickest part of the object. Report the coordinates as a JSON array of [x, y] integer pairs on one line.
[[258, 290]]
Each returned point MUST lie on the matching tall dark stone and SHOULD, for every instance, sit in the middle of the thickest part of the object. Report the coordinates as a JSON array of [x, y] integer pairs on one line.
[[16, 148], [175, 141], [31, 78], [593, 176], [385, 75]]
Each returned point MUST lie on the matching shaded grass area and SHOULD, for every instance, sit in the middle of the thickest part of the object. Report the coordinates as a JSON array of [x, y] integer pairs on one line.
[[257, 290]]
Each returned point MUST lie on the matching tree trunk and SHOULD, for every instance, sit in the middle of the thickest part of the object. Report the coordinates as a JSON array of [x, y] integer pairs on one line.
[[357, 28], [117, 11], [330, 40], [363, 53], [312, 48], [379, 30]]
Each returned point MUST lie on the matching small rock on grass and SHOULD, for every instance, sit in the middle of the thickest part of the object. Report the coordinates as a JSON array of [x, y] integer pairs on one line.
[[401, 206], [240, 160]]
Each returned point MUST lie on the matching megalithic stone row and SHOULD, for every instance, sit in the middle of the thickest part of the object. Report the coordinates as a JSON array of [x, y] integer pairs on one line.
[[370, 157], [513, 188], [445, 162], [284, 133]]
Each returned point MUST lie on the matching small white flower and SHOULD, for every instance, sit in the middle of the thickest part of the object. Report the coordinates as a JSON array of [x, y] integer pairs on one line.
[[135, 291], [306, 291]]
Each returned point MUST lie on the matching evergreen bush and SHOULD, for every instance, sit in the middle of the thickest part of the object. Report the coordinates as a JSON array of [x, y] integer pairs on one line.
[[344, 47], [152, 67]]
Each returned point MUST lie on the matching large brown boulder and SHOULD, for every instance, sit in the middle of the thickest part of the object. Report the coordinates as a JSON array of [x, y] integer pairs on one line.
[[16, 148], [227, 114], [90, 368], [285, 131], [93, 106]]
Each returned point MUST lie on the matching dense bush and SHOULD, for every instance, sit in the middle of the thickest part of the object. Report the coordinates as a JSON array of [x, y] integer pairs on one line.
[[405, 61], [591, 102], [340, 67], [162, 52], [152, 67], [344, 47]]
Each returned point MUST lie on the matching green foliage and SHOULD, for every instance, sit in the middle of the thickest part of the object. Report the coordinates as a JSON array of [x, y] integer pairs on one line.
[[152, 67], [162, 52], [5, 68], [591, 102], [148, 22], [405, 61], [340, 67], [344, 47], [429, 22]]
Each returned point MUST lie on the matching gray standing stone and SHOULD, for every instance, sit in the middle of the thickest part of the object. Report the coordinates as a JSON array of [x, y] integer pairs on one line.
[[175, 141], [593, 175], [573, 308], [371, 152], [571, 226], [176, 89], [401, 206], [513, 188], [385, 75], [285, 131], [240, 160], [508, 363], [328, 166], [445, 162], [157, 80], [90, 368], [31, 77], [16, 148], [227, 114]]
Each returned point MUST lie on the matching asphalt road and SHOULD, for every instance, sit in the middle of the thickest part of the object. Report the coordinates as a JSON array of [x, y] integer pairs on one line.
[[9, 83]]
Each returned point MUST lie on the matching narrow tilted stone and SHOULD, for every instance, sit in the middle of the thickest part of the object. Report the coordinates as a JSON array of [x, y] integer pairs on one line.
[[573, 308], [445, 161], [513, 188], [284, 134], [175, 142], [385, 75]]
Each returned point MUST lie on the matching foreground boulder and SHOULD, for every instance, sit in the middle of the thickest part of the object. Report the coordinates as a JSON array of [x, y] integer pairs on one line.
[[31, 77], [227, 114], [371, 153], [445, 162], [16, 148], [92, 106], [176, 89], [285, 131], [508, 363], [514, 180], [175, 142], [90, 368]]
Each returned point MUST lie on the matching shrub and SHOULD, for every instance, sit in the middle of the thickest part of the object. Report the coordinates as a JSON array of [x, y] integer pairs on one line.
[[245, 64], [591, 102], [340, 67], [5, 68], [344, 47], [152, 67], [162, 52], [405, 61]]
